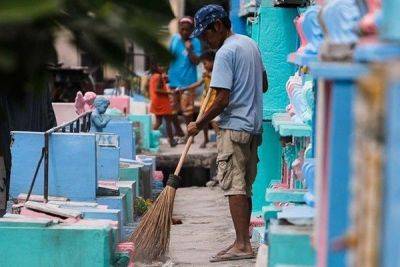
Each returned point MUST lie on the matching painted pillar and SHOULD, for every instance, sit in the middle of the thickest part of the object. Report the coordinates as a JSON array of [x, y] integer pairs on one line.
[[277, 39], [390, 237], [269, 166], [390, 28], [274, 31], [238, 23], [335, 137]]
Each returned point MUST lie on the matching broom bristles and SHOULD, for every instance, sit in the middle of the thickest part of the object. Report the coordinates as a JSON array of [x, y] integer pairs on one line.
[[151, 237]]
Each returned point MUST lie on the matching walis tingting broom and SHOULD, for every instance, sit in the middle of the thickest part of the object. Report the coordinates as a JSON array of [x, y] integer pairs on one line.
[[151, 237]]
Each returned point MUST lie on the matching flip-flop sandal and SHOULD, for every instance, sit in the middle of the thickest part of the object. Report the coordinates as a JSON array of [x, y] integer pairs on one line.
[[228, 256], [222, 252], [255, 248]]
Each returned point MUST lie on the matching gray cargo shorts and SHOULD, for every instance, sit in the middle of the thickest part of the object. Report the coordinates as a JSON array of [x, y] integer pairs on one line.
[[237, 161]]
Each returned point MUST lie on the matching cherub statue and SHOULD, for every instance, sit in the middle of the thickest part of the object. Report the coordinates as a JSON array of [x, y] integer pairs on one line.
[[298, 22], [84, 103], [312, 30], [340, 22], [98, 119]]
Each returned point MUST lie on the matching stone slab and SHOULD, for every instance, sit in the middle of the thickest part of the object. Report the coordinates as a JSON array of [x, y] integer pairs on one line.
[[39, 198], [294, 129], [296, 212], [52, 209], [16, 220], [74, 204], [103, 214], [286, 127], [285, 195]]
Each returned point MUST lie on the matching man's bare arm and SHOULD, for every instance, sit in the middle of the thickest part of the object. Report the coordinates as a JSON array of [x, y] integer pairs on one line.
[[220, 103]]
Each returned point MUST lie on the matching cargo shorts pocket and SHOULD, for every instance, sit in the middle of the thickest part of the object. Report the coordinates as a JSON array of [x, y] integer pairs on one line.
[[224, 163], [240, 137]]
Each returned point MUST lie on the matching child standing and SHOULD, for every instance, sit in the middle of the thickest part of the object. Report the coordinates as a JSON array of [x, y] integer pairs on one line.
[[160, 103], [207, 58]]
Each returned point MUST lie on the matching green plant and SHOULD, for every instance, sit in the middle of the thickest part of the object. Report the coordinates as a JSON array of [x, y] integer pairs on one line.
[[141, 206]]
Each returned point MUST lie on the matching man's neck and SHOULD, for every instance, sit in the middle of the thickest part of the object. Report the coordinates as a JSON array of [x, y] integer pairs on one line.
[[226, 36]]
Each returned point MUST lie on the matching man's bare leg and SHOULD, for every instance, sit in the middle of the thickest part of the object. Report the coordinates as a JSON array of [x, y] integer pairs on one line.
[[248, 216], [239, 207]]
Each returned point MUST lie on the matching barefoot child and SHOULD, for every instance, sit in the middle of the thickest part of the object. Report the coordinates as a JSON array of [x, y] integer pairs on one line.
[[160, 103], [207, 58]]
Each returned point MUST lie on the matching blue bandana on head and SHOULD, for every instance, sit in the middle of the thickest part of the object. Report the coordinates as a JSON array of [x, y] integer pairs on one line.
[[205, 16]]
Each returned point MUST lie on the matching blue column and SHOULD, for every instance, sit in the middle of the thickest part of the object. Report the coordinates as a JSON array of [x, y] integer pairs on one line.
[[390, 28], [340, 81], [391, 204], [340, 139], [238, 23], [269, 167], [390, 237]]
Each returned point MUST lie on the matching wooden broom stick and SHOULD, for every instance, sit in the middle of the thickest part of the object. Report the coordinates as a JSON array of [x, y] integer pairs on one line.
[[190, 139]]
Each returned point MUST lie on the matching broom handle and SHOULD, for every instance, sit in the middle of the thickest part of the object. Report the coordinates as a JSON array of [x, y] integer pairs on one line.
[[190, 139]]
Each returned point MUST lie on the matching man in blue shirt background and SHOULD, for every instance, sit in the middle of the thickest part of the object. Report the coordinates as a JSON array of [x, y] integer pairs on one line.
[[183, 70], [239, 78]]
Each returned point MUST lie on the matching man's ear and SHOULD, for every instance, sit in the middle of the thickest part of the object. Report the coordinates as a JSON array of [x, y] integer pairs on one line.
[[218, 26]]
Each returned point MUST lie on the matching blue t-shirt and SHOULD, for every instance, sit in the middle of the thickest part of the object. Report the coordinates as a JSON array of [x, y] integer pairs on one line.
[[182, 72], [238, 68]]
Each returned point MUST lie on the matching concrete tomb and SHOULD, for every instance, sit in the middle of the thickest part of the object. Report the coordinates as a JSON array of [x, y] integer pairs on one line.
[[108, 154], [72, 164], [124, 129]]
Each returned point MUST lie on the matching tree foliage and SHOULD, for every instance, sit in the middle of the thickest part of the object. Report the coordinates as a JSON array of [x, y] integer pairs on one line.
[[193, 5], [99, 27]]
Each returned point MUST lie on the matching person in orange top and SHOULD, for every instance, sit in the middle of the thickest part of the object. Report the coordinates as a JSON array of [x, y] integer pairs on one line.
[[160, 104], [207, 58]]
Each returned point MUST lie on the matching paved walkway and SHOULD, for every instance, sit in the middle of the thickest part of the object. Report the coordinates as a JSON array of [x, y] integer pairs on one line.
[[207, 228], [169, 156]]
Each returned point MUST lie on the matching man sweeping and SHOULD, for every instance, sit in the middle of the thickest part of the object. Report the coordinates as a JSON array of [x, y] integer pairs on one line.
[[240, 80]]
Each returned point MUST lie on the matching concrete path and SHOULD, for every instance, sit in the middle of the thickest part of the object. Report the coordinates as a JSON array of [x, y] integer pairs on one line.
[[207, 228], [169, 156]]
